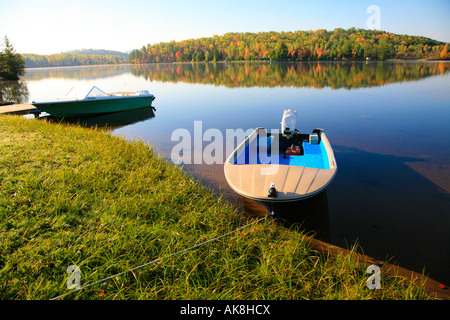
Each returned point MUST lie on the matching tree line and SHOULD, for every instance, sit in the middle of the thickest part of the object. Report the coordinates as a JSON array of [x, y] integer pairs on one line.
[[75, 58], [339, 44]]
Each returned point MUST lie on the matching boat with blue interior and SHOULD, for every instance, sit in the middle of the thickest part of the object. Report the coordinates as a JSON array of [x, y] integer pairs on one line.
[[280, 166]]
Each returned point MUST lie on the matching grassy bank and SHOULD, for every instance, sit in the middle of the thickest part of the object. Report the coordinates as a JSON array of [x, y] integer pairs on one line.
[[75, 196]]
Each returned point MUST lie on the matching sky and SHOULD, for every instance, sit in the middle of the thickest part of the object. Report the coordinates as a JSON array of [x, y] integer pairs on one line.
[[55, 26]]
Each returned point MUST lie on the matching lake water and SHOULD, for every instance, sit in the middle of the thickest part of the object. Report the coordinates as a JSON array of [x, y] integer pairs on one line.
[[388, 123]]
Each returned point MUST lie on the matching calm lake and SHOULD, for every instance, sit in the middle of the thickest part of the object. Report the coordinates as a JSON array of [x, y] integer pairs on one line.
[[388, 123]]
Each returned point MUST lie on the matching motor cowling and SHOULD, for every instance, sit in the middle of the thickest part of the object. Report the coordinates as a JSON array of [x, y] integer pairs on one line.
[[288, 122]]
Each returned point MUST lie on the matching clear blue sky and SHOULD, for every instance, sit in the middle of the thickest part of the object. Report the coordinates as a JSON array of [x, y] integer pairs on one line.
[[54, 26]]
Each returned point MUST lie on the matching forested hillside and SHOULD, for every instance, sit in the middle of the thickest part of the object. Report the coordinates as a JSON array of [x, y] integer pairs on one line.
[[102, 52], [75, 58], [339, 44]]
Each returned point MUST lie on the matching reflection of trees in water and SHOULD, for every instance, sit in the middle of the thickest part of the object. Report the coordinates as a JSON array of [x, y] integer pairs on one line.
[[13, 91], [336, 75]]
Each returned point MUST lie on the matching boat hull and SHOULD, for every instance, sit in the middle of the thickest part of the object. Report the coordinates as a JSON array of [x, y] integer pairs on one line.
[[95, 106], [295, 178]]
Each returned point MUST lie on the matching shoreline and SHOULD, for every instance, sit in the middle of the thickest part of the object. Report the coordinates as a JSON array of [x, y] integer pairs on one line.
[[432, 287], [241, 61], [29, 128]]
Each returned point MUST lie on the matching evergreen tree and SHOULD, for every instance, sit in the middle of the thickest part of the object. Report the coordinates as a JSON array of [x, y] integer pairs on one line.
[[12, 64]]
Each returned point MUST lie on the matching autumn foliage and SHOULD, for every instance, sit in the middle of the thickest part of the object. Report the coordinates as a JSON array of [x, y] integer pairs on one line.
[[75, 58], [339, 44]]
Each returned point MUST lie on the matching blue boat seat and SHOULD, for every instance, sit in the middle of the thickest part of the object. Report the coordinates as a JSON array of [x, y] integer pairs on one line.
[[314, 138]]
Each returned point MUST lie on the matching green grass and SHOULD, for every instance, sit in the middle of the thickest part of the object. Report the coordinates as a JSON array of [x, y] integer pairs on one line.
[[77, 196]]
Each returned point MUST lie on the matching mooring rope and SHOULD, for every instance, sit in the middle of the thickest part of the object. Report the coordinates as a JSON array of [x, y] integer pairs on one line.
[[157, 260]]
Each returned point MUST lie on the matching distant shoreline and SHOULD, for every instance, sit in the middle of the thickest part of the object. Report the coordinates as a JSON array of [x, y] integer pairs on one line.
[[81, 65], [243, 61]]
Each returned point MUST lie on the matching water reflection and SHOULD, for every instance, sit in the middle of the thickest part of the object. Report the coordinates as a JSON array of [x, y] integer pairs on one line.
[[79, 72], [336, 75], [310, 215], [390, 209], [109, 121], [49, 83], [13, 92]]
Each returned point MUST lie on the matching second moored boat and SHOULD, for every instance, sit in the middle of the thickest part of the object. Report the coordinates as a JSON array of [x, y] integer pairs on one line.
[[82, 101]]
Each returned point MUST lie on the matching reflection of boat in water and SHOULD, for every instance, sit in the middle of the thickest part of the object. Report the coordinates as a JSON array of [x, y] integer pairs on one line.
[[109, 121], [310, 215], [280, 167], [82, 101]]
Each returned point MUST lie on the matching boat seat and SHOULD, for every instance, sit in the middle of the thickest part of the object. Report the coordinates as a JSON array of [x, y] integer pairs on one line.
[[314, 138]]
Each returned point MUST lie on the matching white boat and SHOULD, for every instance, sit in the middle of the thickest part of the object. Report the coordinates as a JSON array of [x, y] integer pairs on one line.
[[281, 166]]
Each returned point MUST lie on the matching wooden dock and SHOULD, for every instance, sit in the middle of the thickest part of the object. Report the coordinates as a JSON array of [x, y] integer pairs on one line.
[[17, 108]]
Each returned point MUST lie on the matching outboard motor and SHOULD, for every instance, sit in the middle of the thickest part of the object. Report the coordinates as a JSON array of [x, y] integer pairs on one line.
[[288, 122]]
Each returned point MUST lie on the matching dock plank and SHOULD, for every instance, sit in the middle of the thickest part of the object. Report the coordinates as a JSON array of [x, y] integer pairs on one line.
[[17, 108]]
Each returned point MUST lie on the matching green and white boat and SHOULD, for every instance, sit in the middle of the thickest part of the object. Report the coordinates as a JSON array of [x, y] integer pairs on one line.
[[90, 101]]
